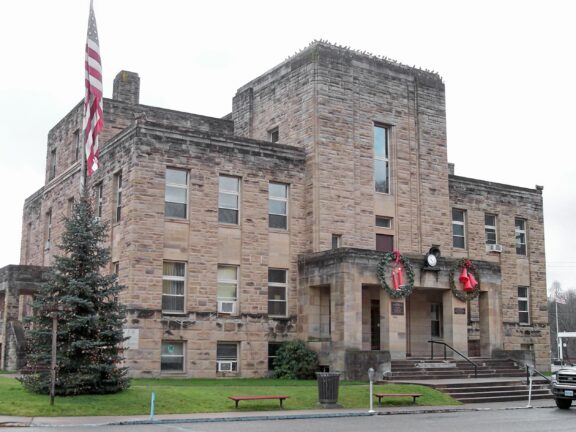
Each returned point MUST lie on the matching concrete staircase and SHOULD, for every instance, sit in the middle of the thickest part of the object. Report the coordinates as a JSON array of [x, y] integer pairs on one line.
[[496, 381], [422, 369]]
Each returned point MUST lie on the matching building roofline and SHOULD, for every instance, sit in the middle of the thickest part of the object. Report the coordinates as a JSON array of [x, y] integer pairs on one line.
[[493, 185]]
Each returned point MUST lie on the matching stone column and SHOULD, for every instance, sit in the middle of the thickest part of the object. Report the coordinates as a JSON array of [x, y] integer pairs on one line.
[[11, 307], [490, 322], [393, 326], [455, 320]]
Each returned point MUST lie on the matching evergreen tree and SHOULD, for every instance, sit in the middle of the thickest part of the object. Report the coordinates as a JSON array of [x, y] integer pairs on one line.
[[90, 316]]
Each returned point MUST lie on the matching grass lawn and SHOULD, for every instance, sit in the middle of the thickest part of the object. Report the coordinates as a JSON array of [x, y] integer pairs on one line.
[[178, 396]]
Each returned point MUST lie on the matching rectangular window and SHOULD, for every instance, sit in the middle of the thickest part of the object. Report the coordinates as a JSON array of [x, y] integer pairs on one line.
[[278, 206], [384, 243], [227, 357], [523, 305], [381, 160], [274, 135], [272, 354], [229, 200], [76, 144], [490, 229], [520, 236], [459, 228], [227, 288], [172, 356], [173, 287], [52, 172], [116, 268], [277, 292], [48, 230], [70, 207], [118, 197], [336, 241], [99, 199], [176, 196], [436, 320], [383, 222]]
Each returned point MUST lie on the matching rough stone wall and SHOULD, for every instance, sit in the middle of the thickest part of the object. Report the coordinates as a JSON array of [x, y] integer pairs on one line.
[[507, 203]]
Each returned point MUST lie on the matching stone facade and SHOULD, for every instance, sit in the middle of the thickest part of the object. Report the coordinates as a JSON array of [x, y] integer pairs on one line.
[[320, 109]]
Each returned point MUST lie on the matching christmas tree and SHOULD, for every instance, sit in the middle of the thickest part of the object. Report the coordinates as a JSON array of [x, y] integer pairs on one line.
[[90, 316]]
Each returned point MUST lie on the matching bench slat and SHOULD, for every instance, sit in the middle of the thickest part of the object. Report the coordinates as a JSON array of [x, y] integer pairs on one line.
[[381, 395], [259, 397]]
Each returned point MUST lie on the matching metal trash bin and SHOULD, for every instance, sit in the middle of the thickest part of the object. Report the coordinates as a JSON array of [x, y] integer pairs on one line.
[[328, 384]]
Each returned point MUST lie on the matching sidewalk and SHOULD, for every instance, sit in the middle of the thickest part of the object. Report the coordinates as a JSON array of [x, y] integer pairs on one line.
[[261, 415]]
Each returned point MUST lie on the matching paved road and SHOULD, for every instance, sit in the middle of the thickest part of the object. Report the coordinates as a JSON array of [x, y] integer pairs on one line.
[[518, 420]]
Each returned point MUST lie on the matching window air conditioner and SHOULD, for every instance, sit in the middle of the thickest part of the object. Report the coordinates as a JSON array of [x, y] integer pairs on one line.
[[494, 248], [226, 366], [226, 306]]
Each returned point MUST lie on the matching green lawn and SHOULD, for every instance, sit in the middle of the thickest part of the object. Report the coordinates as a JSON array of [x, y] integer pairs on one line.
[[177, 396]]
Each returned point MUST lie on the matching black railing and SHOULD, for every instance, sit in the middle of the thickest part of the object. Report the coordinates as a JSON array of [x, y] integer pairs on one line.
[[536, 372], [432, 342]]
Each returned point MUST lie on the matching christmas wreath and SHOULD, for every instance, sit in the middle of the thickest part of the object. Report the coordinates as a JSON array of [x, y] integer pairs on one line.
[[401, 286], [469, 279]]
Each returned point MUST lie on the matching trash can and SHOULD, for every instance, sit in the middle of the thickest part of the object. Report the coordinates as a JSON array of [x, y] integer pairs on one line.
[[328, 383]]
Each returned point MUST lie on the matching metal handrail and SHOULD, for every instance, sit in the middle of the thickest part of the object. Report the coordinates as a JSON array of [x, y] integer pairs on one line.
[[432, 342], [534, 371]]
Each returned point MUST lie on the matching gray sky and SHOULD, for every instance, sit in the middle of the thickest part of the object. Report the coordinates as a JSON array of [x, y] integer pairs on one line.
[[508, 67]]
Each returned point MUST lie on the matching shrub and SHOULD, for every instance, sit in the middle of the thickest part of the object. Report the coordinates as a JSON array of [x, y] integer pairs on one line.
[[295, 361]]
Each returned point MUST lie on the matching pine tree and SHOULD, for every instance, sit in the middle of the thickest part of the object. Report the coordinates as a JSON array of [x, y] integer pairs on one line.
[[90, 316]]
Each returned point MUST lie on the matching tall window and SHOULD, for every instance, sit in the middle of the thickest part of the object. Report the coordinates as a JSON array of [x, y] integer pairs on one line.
[[227, 357], [52, 172], [336, 241], [520, 236], [277, 292], [272, 354], [118, 197], [172, 356], [227, 288], [173, 287], [176, 196], [274, 135], [229, 200], [384, 243], [381, 160], [76, 143], [48, 230], [278, 205], [99, 199], [70, 207], [490, 229], [459, 228], [523, 305]]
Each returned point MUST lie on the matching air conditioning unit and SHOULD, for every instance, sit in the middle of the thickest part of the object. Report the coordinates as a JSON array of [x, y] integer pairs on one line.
[[226, 366], [226, 307], [494, 248]]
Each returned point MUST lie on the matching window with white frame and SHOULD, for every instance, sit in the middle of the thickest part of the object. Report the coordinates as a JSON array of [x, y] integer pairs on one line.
[[118, 197], [176, 196], [173, 287], [99, 199], [520, 236], [459, 228], [278, 206], [229, 200], [227, 357], [490, 229], [277, 292], [381, 159], [48, 230], [227, 288], [172, 356], [523, 305], [383, 222]]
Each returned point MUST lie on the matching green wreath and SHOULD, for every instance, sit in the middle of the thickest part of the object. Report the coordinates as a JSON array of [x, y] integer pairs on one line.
[[458, 293], [381, 271]]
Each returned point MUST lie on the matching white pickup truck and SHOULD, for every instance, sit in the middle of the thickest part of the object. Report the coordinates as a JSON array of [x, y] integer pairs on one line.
[[563, 387]]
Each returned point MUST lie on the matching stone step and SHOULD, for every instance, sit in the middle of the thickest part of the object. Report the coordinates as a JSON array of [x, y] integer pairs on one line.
[[493, 393], [523, 397]]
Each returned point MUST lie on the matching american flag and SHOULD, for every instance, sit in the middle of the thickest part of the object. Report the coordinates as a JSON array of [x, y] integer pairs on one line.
[[93, 108]]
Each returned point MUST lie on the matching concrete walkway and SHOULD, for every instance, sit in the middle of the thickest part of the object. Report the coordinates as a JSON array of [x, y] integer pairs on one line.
[[260, 415]]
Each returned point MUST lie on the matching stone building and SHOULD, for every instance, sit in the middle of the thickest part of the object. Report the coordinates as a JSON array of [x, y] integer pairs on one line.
[[235, 234]]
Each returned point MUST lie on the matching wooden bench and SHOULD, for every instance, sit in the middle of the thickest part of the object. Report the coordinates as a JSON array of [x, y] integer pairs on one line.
[[259, 397], [414, 396]]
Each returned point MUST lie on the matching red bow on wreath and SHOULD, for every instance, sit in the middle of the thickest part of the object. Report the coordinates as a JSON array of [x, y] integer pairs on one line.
[[466, 278], [397, 272]]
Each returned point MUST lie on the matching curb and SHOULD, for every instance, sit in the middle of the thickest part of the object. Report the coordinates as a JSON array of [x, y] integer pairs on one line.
[[269, 417]]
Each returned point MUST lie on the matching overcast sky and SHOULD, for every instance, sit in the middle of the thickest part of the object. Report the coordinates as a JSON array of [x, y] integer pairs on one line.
[[508, 66]]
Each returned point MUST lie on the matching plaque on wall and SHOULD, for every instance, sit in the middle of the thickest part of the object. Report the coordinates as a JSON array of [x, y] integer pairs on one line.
[[459, 311], [397, 308]]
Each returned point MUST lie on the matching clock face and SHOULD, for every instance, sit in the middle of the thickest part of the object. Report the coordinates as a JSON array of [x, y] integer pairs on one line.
[[431, 260]]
